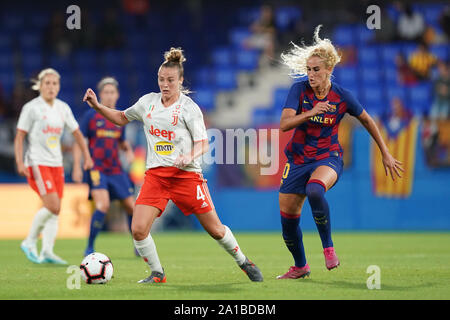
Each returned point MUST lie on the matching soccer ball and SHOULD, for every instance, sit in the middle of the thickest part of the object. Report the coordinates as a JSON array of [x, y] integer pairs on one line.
[[96, 268]]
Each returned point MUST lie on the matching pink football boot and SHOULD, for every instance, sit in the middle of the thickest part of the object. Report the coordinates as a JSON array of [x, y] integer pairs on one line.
[[331, 259], [296, 273]]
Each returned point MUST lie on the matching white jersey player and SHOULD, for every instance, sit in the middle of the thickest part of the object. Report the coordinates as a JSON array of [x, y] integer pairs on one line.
[[176, 138], [42, 120]]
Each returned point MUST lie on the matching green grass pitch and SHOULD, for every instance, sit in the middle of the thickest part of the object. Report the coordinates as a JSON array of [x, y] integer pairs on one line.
[[413, 266]]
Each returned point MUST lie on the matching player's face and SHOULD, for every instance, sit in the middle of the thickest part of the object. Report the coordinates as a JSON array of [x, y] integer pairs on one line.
[[169, 82], [318, 74], [109, 95], [50, 87]]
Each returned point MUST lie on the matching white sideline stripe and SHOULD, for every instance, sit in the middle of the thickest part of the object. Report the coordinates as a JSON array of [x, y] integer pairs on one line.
[[39, 181]]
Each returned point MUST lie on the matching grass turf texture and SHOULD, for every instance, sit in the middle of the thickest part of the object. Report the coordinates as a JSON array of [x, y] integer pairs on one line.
[[413, 266]]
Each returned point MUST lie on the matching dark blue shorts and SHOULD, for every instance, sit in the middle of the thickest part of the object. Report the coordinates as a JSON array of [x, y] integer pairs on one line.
[[119, 186], [295, 177]]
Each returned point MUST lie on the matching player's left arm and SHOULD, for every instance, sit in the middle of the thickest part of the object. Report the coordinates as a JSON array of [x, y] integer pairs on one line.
[[81, 142], [389, 162], [200, 147]]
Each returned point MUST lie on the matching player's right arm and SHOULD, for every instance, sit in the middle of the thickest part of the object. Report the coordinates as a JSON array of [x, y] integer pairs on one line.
[[289, 117], [18, 152], [115, 116]]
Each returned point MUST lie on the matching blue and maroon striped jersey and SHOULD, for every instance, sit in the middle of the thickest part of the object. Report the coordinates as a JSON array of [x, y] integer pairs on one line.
[[104, 137], [317, 138]]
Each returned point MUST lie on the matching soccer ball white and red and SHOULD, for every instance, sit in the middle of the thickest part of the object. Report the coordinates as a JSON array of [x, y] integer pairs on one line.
[[96, 268]]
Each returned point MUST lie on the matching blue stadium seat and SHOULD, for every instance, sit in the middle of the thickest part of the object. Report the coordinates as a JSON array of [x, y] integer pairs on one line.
[[373, 99], [368, 56], [85, 60], [30, 40], [248, 15], [238, 35], [38, 19], [61, 64], [6, 59], [5, 41], [344, 35], [346, 76], [440, 51], [279, 97], [203, 77], [390, 76], [112, 58], [222, 57], [364, 34], [286, 16], [138, 41], [420, 97], [408, 49], [396, 91], [31, 62], [67, 95], [225, 78], [389, 53], [12, 21], [247, 59], [7, 80], [89, 79], [370, 75], [205, 98], [261, 116]]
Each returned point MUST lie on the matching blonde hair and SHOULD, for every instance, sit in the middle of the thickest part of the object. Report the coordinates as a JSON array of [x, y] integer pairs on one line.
[[105, 81], [174, 58], [37, 82], [297, 57]]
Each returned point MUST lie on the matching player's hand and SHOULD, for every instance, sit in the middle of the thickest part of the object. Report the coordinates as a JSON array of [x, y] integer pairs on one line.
[[22, 170], [88, 163], [392, 165], [90, 97], [319, 108], [182, 161], [129, 155], [77, 174]]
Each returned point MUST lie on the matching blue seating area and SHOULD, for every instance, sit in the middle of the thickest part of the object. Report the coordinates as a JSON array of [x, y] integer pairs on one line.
[[214, 58], [373, 78]]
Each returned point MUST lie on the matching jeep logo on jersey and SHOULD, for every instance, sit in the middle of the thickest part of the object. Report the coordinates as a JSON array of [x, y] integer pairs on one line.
[[164, 148], [52, 130], [170, 135]]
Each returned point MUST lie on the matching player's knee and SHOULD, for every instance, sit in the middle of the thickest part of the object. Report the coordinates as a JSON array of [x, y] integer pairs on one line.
[[54, 208], [217, 232], [314, 191], [102, 206], [138, 232]]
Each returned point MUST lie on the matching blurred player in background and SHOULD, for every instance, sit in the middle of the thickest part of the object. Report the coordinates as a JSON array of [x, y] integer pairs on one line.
[[42, 121], [176, 137], [314, 108], [107, 181]]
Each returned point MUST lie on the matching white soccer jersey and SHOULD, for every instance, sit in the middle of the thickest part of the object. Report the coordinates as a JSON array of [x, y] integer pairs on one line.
[[170, 131], [44, 125]]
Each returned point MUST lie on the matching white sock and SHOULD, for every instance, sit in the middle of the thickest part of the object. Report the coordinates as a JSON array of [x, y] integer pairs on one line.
[[147, 250], [39, 220], [229, 243], [49, 234]]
